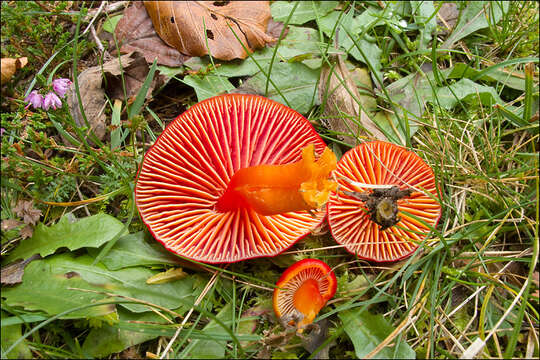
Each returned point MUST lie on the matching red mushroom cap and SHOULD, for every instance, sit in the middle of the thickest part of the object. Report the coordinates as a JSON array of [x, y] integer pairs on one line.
[[187, 170], [382, 163], [302, 291]]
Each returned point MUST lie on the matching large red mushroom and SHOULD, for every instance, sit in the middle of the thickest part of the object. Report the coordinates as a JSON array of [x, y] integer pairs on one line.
[[386, 202], [234, 177]]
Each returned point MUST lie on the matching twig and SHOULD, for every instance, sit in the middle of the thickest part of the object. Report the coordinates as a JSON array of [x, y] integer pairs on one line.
[[96, 39]]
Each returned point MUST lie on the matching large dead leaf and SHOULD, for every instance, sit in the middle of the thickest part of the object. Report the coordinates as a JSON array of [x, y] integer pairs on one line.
[[92, 90], [10, 66], [135, 32], [189, 25], [341, 99]]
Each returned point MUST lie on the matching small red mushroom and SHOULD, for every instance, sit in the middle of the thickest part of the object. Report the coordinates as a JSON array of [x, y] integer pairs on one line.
[[235, 177], [302, 291], [386, 204]]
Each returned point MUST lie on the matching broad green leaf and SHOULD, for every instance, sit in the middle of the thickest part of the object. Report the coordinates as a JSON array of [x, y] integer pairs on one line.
[[136, 249], [110, 23], [166, 276], [366, 331], [208, 86], [109, 339], [296, 82], [45, 287], [465, 89], [210, 349], [305, 11], [9, 335], [299, 41], [92, 231], [477, 15]]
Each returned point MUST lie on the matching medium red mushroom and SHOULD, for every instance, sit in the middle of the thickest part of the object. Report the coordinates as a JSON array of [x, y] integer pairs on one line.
[[234, 177], [386, 202], [302, 291]]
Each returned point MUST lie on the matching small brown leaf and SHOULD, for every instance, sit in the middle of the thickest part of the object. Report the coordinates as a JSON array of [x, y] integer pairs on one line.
[[26, 210], [341, 99], [90, 81], [135, 32], [196, 28], [9, 66], [13, 273]]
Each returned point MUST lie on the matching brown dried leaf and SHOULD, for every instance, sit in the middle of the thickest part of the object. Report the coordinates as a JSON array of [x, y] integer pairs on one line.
[[135, 32], [188, 25], [13, 273], [9, 66], [26, 210], [340, 97], [92, 92]]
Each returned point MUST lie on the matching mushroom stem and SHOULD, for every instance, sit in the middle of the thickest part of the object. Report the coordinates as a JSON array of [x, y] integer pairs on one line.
[[308, 300], [382, 204], [277, 189]]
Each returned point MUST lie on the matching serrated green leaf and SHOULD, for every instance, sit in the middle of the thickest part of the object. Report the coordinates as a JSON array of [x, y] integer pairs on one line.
[[137, 249], [305, 11], [92, 231], [296, 82], [366, 331]]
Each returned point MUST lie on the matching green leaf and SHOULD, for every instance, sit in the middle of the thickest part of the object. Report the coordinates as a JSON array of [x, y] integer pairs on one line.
[[475, 17], [465, 89], [296, 82], [9, 335], [210, 349], [208, 86], [349, 30], [138, 249], [45, 287], [109, 339], [305, 11], [299, 41], [110, 23], [170, 71], [461, 70], [423, 11], [366, 331], [92, 231]]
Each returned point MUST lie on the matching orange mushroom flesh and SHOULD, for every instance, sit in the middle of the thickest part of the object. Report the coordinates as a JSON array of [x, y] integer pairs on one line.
[[276, 189], [387, 202], [302, 291], [235, 177]]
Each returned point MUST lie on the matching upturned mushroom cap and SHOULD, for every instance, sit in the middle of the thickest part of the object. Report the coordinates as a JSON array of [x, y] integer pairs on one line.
[[302, 291], [350, 220], [188, 170]]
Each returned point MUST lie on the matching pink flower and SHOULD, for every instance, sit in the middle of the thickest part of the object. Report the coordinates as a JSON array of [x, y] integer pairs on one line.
[[51, 100], [35, 99], [61, 86]]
